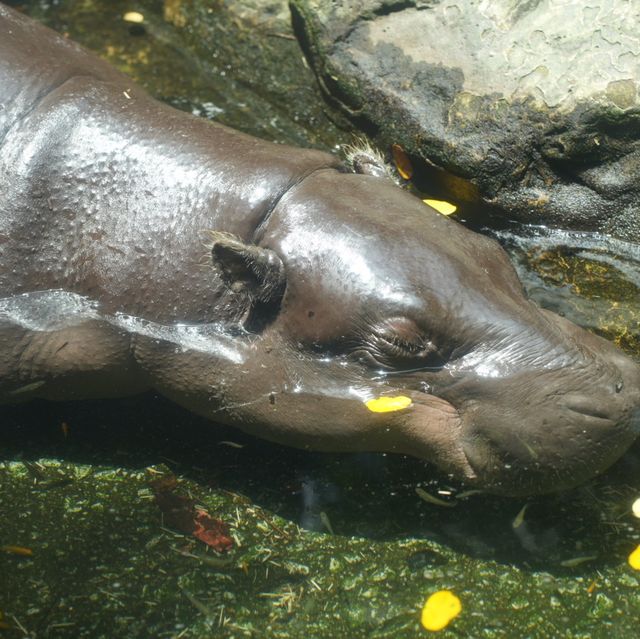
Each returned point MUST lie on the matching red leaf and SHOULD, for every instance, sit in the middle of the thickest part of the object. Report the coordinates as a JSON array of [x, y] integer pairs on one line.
[[213, 532], [179, 512]]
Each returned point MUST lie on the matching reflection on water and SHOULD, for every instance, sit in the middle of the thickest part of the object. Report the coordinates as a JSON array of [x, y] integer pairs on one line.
[[47, 310], [56, 310], [590, 278]]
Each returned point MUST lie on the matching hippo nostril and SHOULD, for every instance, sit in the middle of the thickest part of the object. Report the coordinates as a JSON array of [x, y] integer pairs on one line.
[[585, 407]]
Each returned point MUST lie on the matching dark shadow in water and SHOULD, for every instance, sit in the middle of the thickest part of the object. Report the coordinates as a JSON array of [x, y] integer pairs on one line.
[[367, 495]]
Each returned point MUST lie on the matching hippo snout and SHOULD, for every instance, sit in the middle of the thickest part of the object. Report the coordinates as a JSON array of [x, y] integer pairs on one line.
[[549, 429]]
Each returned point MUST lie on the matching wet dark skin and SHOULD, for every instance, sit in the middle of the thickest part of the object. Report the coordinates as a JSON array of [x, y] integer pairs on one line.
[[268, 288]]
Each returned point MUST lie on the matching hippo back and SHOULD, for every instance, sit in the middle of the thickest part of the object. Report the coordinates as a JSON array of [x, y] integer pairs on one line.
[[31, 67], [107, 193]]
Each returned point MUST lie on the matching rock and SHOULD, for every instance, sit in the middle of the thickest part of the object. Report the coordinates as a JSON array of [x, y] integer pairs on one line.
[[530, 108]]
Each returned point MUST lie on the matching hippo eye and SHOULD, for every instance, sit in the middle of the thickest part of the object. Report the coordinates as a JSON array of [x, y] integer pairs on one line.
[[394, 346], [399, 344]]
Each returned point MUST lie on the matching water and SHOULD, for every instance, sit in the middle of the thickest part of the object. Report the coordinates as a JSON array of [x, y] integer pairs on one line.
[[590, 278], [76, 477]]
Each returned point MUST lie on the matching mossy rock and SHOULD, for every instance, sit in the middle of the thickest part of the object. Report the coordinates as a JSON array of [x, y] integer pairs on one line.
[[528, 109]]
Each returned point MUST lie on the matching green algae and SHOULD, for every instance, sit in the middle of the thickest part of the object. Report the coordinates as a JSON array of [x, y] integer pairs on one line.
[[103, 565], [595, 283]]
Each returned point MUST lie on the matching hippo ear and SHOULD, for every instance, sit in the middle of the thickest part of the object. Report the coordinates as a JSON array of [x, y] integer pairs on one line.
[[247, 268]]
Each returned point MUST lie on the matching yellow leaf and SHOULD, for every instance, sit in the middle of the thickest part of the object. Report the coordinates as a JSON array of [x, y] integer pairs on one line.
[[388, 404], [446, 208], [439, 609], [402, 162]]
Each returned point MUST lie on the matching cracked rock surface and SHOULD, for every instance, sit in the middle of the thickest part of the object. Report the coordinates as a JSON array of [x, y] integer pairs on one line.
[[530, 108]]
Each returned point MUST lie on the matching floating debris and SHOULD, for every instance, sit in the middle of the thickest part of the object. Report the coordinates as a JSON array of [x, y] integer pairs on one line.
[[286, 598], [324, 518], [439, 610], [465, 494], [230, 444], [28, 388], [432, 499], [180, 513], [635, 508], [442, 206], [209, 613], [388, 404], [17, 550], [576, 561], [211, 531], [519, 518]]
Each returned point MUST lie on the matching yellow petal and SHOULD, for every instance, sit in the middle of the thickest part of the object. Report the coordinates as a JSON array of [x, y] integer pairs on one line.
[[388, 404], [634, 559], [439, 609], [133, 16], [446, 208]]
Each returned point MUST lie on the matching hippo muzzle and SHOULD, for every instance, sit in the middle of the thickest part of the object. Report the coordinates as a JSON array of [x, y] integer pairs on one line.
[[555, 425]]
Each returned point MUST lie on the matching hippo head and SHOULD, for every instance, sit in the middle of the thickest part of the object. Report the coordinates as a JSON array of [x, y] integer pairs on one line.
[[352, 289]]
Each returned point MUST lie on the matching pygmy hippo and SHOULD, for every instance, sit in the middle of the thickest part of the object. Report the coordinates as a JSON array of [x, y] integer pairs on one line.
[[269, 288]]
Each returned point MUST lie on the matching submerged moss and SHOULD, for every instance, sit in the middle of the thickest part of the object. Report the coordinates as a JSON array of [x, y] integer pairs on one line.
[[105, 565]]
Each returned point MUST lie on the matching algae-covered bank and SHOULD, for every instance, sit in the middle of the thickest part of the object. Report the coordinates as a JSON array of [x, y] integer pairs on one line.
[[135, 519], [312, 546]]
